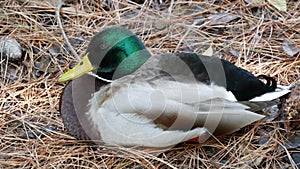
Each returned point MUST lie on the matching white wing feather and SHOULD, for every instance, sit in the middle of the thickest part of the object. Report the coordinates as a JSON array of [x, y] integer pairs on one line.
[[126, 115]]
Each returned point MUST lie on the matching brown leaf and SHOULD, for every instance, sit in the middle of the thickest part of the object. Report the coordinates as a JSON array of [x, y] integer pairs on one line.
[[209, 51], [279, 4], [10, 48], [290, 47], [223, 18], [234, 52], [255, 2]]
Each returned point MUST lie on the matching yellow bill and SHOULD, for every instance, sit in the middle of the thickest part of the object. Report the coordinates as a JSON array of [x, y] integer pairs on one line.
[[80, 69]]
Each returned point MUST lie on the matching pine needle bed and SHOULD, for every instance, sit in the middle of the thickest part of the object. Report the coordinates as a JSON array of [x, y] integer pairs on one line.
[[31, 129]]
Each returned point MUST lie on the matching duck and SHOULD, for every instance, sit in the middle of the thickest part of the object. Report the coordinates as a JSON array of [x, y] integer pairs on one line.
[[140, 99]]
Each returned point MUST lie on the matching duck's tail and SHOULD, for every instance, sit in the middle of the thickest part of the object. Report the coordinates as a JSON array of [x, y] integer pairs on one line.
[[267, 99], [280, 91]]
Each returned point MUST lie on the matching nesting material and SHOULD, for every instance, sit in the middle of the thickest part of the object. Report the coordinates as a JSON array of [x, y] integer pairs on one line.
[[10, 48], [31, 128]]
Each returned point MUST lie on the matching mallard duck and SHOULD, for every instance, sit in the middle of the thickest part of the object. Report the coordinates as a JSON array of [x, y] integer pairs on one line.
[[159, 100]]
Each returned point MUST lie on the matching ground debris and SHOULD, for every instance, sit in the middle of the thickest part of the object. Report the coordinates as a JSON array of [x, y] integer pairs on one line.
[[10, 48]]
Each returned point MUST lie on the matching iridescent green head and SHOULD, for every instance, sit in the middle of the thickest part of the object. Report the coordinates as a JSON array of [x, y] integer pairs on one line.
[[112, 49]]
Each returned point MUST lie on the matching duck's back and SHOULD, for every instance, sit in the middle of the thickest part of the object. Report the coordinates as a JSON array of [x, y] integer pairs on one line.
[[243, 84]]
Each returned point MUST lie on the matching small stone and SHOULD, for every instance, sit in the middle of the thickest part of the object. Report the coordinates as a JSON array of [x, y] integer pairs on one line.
[[10, 48], [159, 25]]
